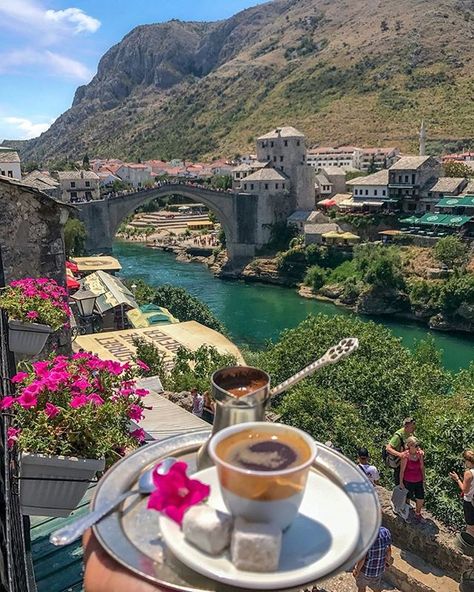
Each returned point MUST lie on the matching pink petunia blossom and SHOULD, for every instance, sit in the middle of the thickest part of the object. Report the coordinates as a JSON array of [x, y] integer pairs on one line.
[[138, 434], [32, 314], [78, 401], [41, 368], [19, 377], [135, 412], [12, 436], [6, 402], [51, 410], [82, 384], [175, 492], [141, 392], [95, 399], [143, 366]]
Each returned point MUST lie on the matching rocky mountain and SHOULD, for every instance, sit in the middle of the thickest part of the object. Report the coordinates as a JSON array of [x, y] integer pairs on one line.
[[343, 71]]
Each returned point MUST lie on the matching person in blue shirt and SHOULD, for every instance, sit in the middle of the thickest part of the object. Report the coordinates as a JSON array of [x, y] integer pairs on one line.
[[370, 569]]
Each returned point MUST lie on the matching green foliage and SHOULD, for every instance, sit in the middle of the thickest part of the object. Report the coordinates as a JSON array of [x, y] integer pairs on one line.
[[193, 369], [143, 292], [315, 278], [424, 295], [454, 168], [154, 358], [379, 266], [74, 237], [222, 238], [354, 175], [343, 272], [281, 234], [451, 251], [221, 182], [186, 307], [362, 400], [456, 291]]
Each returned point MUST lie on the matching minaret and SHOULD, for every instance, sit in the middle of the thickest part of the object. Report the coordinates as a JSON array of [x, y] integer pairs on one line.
[[422, 138]]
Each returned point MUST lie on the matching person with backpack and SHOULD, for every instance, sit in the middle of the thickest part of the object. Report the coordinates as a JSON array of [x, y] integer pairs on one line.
[[412, 475], [466, 485], [394, 451], [364, 465]]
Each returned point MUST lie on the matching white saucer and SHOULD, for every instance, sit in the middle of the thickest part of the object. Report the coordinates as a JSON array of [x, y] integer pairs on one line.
[[321, 538]]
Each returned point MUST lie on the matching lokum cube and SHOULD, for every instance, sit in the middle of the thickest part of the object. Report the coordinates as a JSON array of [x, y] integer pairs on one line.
[[207, 528], [255, 546]]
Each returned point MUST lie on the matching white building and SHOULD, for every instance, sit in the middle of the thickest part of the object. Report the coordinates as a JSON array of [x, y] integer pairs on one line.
[[375, 158], [77, 186], [266, 181], [370, 190], [135, 174], [324, 156], [362, 159], [10, 165]]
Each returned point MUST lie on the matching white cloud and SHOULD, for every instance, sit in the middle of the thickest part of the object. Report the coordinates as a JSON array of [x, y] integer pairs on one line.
[[52, 63], [83, 23], [28, 16], [24, 129]]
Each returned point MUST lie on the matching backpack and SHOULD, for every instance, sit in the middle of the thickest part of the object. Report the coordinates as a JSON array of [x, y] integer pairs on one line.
[[392, 462]]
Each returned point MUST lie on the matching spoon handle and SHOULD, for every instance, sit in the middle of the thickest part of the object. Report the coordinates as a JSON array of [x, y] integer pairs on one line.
[[71, 532], [344, 348]]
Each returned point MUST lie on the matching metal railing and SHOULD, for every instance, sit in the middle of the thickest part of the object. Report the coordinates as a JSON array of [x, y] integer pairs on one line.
[[16, 568]]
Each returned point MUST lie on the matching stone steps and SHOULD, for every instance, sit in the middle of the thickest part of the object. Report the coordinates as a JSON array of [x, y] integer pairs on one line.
[[410, 573]]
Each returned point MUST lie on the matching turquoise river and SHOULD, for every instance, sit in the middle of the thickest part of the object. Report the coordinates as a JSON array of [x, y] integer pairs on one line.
[[256, 313]]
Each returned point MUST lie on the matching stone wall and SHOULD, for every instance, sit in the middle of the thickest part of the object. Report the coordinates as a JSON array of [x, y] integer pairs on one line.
[[431, 541]]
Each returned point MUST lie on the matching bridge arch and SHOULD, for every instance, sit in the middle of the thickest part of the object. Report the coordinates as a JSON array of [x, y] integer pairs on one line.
[[237, 213]]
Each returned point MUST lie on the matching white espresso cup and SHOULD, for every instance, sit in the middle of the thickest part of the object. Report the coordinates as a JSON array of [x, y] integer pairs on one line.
[[262, 495]]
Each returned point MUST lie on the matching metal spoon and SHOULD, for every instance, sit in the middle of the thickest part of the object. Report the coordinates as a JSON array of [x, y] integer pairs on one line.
[[70, 533]]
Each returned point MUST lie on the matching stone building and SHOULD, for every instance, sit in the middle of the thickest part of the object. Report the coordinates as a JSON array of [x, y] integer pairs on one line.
[[409, 181], [43, 181], [370, 190], [78, 186], [285, 149], [10, 165], [33, 246], [134, 173]]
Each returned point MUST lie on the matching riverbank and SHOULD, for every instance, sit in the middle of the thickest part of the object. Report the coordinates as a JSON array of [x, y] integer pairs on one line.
[[256, 313]]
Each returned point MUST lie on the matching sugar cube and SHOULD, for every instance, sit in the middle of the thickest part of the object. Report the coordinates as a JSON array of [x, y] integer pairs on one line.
[[207, 528], [255, 546]]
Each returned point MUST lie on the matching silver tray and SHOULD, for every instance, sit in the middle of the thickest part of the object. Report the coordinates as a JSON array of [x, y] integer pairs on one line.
[[132, 535]]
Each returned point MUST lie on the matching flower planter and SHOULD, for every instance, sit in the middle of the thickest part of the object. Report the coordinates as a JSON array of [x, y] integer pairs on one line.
[[27, 338], [54, 485], [465, 543]]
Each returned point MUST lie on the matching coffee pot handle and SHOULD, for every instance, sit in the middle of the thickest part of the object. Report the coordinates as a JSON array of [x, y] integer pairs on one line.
[[334, 354]]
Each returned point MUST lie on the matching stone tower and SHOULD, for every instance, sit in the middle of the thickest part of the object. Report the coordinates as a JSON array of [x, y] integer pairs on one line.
[[422, 138], [285, 150]]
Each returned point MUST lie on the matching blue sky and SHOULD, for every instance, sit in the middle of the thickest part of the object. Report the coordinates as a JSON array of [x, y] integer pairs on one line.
[[50, 47]]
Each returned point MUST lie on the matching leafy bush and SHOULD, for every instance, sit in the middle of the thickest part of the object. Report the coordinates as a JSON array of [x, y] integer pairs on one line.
[[315, 278], [74, 237], [342, 272], [379, 266], [150, 359], [451, 251], [454, 292]]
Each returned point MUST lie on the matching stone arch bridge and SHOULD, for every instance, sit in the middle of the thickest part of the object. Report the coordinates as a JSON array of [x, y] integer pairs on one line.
[[244, 217]]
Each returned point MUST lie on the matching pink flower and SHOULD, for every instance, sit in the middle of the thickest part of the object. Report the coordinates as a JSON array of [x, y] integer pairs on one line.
[[41, 368], [78, 401], [175, 492], [27, 400], [82, 384], [32, 314], [51, 410], [95, 399], [143, 366], [135, 412], [142, 392], [12, 436], [6, 402], [20, 377], [138, 434]]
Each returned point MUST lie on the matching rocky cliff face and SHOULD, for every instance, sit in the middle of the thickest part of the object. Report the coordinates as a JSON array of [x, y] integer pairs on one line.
[[354, 71]]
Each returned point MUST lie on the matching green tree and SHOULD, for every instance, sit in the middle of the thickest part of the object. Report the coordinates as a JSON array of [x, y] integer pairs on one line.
[[154, 358], [221, 182], [315, 278], [142, 292], [74, 237], [451, 251], [86, 165], [453, 168], [379, 266]]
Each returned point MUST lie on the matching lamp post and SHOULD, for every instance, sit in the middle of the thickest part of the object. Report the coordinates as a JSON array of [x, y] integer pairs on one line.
[[85, 301]]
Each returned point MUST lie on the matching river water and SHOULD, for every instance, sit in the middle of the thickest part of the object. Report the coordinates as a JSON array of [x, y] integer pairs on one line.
[[256, 313]]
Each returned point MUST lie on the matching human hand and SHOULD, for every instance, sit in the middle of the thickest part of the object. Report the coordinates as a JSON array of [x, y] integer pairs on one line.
[[454, 476], [103, 574]]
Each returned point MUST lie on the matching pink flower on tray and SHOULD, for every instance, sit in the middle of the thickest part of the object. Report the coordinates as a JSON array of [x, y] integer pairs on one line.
[[138, 434], [27, 399], [78, 401], [12, 436], [143, 366], [20, 377], [51, 410], [175, 492], [6, 402], [135, 413]]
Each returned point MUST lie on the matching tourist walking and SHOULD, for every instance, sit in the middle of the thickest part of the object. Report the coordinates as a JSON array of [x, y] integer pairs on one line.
[[198, 402], [395, 449], [209, 408], [412, 475], [363, 462], [370, 569], [466, 485]]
